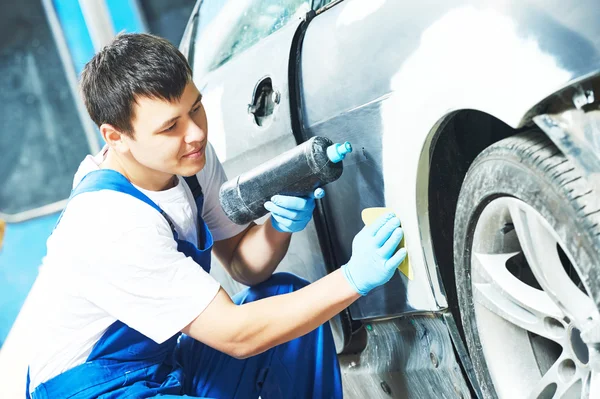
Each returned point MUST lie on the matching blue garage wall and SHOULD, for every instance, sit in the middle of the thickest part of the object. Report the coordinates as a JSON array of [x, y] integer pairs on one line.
[[75, 32], [126, 16], [43, 137], [163, 18], [167, 18], [20, 258]]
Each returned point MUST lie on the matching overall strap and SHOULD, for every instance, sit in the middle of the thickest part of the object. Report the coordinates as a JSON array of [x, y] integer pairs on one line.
[[108, 179]]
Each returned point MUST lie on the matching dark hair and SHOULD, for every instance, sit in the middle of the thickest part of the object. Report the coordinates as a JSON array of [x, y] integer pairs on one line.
[[132, 65]]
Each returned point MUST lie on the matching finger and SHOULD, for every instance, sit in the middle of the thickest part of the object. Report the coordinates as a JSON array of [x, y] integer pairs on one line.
[[386, 231], [296, 203], [283, 221], [319, 193], [388, 248], [284, 212], [291, 225], [396, 260], [374, 227]]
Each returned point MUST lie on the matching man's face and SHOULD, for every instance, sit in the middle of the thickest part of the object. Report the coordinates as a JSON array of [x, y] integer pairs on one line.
[[170, 138]]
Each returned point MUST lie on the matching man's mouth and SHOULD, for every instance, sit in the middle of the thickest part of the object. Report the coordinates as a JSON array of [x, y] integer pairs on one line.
[[197, 153]]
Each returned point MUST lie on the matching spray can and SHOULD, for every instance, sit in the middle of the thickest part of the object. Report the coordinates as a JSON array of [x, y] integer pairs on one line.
[[297, 172]]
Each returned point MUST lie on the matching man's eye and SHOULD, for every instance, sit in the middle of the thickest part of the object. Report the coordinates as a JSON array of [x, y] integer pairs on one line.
[[170, 128], [195, 109]]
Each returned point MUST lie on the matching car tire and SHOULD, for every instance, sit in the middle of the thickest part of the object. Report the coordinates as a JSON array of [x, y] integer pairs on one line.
[[527, 268]]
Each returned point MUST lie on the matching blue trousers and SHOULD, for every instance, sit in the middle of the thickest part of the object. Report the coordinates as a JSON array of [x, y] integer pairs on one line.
[[306, 367]]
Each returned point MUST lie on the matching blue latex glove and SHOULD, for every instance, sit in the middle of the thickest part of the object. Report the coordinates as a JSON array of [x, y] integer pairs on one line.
[[373, 262], [292, 214]]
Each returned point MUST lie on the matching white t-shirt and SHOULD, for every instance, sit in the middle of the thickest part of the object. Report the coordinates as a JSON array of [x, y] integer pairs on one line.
[[113, 257]]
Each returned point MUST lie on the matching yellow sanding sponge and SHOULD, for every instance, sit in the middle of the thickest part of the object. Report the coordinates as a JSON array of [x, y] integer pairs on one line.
[[2, 228], [368, 216]]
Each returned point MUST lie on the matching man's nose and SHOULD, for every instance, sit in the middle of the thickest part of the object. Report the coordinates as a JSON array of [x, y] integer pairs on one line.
[[194, 133]]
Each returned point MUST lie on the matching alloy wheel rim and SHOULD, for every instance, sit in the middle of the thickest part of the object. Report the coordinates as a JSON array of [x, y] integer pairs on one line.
[[530, 306]]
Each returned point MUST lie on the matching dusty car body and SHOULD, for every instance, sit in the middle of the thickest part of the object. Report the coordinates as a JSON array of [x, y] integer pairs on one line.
[[421, 90]]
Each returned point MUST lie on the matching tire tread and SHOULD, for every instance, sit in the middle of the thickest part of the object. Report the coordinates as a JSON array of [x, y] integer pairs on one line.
[[535, 148]]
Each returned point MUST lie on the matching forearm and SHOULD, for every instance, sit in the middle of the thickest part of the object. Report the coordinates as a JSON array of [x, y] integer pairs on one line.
[[258, 254], [251, 328], [275, 320]]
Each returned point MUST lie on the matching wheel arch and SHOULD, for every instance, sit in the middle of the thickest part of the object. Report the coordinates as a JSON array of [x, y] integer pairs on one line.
[[455, 141]]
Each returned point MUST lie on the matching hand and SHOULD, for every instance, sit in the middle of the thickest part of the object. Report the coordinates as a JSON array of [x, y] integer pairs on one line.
[[373, 262], [292, 214]]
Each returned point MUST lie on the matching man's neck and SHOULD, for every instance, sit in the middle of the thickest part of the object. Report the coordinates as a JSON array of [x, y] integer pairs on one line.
[[137, 174]]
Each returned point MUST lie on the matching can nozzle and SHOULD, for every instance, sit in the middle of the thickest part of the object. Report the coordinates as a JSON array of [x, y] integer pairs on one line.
[[337, 152]]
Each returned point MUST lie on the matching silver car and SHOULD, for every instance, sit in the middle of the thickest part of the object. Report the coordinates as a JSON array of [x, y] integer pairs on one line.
[[478, 124]]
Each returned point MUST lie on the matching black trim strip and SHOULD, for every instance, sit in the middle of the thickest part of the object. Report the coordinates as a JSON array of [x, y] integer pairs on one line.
[[323, 233]]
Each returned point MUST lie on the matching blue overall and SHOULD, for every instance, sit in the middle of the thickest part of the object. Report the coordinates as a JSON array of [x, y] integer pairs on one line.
[[126, 364]]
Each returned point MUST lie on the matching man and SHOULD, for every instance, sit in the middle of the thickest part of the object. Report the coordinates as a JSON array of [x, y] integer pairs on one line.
[[127, 265]]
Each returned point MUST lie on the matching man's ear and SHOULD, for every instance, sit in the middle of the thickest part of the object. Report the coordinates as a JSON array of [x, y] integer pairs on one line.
[[114, 138]]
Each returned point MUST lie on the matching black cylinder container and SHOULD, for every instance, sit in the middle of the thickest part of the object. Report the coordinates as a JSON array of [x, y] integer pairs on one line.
[[297, 172]]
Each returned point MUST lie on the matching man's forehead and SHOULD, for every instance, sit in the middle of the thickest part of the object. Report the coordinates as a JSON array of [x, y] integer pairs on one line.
[[151, 112]]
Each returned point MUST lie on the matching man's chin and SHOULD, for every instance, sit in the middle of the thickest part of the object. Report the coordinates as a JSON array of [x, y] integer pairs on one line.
[[189, 170]]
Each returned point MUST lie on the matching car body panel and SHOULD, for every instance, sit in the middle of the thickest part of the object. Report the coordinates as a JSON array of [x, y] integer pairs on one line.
[[394, 72]]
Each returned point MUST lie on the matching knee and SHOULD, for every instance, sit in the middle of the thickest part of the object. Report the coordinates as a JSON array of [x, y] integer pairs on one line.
[[284, 279], [277, 284]]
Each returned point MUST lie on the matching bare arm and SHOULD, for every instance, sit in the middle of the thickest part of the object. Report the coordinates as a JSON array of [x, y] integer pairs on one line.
[[252, 256], [252, 328]]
